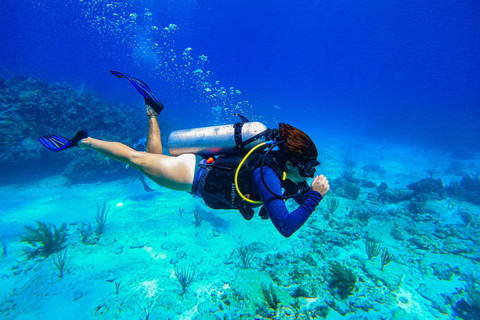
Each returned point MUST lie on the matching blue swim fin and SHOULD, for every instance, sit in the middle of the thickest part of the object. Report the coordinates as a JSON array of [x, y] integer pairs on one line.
[[150, 98], [54, 142]]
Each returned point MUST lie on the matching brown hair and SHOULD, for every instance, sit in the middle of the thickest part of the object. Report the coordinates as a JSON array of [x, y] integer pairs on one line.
[[298, 146]]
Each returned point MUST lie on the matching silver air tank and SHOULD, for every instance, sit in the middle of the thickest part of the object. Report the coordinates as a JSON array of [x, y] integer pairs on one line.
[[217, 140]]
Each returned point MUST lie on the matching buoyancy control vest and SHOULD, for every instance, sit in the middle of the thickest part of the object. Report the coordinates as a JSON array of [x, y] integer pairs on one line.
[[230, 143], [218, 190]]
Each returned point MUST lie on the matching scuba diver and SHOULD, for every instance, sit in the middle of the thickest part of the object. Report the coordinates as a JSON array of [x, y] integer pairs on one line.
[[241, 166]]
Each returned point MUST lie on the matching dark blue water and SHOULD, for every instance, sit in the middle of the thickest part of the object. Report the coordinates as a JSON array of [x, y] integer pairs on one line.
[[388, 90], [405, 71]]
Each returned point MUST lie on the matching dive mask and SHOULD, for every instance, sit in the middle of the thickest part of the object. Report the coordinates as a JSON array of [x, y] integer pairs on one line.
[[307, 169]]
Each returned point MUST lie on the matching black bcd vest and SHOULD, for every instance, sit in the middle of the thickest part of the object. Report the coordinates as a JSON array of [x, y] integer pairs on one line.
[[219, 190]]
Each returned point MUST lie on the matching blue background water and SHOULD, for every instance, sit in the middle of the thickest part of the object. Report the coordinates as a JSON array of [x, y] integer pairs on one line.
[[399, 70], [384, 73]]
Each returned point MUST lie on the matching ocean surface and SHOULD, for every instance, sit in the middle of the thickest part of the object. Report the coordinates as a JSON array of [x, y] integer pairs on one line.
[[388, 90]]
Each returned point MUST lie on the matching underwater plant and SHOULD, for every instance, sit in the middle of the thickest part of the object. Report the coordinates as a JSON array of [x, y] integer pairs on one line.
[[45, 239], [147, 309], [332, 203], [361, 215], [270, 297], [59, 260], [117, 286], [342, 281], [348, 170], [246, 256], [87, 234], [185, 276], [386, 258], [101, 218], [196, 216], [373, 249], [470, 308]]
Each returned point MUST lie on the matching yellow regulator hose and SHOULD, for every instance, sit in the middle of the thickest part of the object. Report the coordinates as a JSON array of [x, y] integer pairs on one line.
[[238, 170]]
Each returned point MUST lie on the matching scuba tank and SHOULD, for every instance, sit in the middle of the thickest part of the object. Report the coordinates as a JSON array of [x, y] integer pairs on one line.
[[230, 139]]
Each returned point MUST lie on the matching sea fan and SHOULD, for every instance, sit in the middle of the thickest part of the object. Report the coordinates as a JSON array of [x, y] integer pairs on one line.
[[45, 239]]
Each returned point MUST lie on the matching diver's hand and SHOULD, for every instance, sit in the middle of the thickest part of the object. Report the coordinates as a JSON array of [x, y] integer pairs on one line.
[[320, 184]]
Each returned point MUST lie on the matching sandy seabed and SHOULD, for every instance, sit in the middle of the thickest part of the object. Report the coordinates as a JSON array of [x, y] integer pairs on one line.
[[130, 272]]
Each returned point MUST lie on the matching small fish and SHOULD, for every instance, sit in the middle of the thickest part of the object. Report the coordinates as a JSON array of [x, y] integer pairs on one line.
[[277, 107]]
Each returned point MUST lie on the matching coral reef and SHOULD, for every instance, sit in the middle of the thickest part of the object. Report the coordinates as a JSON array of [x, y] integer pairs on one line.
[[470, 308], [467, 190], [372, 167], [345, 188], [394, 196], [428, 188], [30, 108]]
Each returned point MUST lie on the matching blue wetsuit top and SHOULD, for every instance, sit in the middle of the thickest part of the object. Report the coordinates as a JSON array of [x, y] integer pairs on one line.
[[287, 223]]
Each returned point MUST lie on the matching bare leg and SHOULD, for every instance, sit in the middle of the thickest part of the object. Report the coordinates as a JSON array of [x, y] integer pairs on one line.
[[176, 173], [154, 139]]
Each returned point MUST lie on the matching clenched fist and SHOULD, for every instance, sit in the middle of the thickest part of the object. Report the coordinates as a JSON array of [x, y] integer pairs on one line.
[[320, 184]]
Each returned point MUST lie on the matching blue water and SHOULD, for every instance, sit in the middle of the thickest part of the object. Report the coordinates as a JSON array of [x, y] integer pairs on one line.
[[406, 71], [390, 83]]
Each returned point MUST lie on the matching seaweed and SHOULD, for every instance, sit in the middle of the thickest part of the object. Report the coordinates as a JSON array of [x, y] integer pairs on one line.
[[59, 260], [270, 297], [348, 172], [246, 256], [197, 217], [362, 216], [45, 239], [373, 249], [117, 286], [386, 258], [92, 237], [147, 309], [101, 218], [87, 234], [185, 276], [342, 281], [470, 308], [332, 203]]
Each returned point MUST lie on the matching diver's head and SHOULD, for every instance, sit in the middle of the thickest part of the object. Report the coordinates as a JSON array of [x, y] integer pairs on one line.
[[299, 152]]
